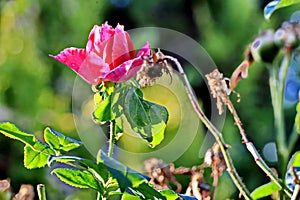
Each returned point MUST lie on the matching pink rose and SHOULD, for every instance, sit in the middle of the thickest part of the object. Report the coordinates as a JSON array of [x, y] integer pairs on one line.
[[109, 56]]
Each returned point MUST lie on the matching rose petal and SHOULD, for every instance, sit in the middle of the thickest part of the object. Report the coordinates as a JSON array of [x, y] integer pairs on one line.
[[72, 57], [121, 50], [90, 44], [124, 72], [106, 32], [98, 35], [145, 50], [92, 68]]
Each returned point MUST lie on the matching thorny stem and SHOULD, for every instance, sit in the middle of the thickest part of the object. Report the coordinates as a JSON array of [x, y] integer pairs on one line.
[[277, 94], [111, 141], [41, 191], [251, 148], [218, 136]]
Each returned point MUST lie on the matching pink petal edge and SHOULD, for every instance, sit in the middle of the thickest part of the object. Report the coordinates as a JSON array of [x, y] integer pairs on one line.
[[72, 57], [144, 50]]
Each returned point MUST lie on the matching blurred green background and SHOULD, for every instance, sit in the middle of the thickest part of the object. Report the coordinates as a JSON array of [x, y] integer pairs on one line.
[[36, 91]]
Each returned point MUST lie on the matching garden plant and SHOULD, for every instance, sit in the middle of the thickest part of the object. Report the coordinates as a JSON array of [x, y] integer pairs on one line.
[[120, 73]]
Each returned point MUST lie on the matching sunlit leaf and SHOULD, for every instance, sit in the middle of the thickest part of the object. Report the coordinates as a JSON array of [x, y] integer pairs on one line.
[[36, 153], [276, 4], [169, 194], [146, 118], [265, 190], [103, 112], [11, 131], [77, 178], [99, 171], [127, 196], [125, 176], [34, 159], [59, 141]]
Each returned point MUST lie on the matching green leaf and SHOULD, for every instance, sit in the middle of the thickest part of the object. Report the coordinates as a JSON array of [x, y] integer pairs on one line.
[[11, 131], [36, 153], [125, 176], [149, 192], [277, 4], [146, 118], [169, 194], [59, 141], [297, 118], [34, 159], [103, 112], [99, 171], [127, 196], [265, 190], [77, 178]]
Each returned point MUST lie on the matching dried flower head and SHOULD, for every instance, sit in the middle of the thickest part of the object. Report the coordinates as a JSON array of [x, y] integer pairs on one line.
[[154, 67], [215, 159], [161, 174], [219, 89], [4, 185]]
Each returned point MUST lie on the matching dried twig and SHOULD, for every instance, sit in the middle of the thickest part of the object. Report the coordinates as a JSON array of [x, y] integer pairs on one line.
[[219, 89], [218, 136]]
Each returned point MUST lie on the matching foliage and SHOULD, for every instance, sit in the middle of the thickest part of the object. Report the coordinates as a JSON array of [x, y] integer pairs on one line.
[[277, 4]]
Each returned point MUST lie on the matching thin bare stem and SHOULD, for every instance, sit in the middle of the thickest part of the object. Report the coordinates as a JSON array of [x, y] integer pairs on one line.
[[251, 148], [218, 136]]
